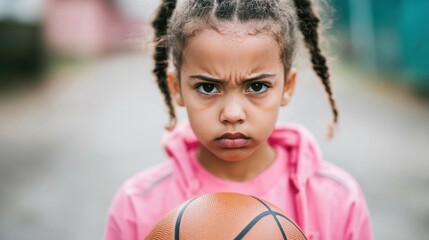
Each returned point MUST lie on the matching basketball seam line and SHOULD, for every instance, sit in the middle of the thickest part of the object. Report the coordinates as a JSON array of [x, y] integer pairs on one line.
[[179, 219], [281, 215], [275, 218], [254, 222]]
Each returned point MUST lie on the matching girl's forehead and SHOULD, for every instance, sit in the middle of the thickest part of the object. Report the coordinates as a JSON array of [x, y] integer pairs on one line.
[[233, 48], [233, 31]]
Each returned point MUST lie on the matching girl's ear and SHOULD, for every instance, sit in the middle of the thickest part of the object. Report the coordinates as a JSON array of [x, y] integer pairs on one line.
[[174, 86], [289, 87]]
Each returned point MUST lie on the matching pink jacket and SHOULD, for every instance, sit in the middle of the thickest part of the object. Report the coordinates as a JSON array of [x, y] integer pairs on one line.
[[325, 201]]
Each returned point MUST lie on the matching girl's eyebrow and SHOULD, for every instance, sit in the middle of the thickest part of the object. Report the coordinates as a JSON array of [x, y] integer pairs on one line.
[[219, 81], [259, 77], [205, 78]]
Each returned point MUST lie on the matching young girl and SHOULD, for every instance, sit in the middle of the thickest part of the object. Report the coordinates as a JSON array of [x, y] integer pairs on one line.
[[233, 71]]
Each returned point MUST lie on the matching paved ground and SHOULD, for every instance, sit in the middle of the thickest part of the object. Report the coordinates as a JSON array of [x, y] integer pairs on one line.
[[66, 147]]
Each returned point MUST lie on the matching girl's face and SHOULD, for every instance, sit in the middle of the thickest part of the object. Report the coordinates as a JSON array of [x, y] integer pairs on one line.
[[232, 85]]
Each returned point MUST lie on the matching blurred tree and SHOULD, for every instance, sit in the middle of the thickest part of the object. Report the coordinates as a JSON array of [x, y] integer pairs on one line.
[[21, 53], [414, 32], [390, 36]]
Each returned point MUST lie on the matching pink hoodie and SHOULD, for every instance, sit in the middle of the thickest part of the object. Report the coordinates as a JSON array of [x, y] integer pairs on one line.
[[324, 200]]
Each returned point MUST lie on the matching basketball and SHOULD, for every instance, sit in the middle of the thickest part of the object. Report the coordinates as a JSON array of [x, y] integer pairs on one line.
[[225, 216]]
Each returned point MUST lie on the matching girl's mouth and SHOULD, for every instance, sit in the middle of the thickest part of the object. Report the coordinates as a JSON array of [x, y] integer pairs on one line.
[[233, 140]]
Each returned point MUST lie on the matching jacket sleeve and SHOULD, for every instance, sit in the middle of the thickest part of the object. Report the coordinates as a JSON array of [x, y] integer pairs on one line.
[[121, 220], [358, 226]]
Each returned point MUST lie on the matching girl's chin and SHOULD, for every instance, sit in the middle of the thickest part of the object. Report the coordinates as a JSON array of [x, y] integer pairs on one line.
[[233, 155], [228, 154]]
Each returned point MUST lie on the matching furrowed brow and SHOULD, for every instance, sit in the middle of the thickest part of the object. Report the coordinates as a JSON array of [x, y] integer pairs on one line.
[[259, 77], [205, 78], [218, 81]]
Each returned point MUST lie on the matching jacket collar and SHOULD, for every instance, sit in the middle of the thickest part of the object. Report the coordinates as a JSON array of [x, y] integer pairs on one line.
[[304, 152]]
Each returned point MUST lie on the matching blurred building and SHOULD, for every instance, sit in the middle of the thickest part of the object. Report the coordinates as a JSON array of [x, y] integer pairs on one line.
[[29, 29], [85, 27], [388, 36]]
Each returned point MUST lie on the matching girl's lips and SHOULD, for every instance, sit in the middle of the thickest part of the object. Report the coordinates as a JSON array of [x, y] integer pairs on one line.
[[233, 135], [233, 140]]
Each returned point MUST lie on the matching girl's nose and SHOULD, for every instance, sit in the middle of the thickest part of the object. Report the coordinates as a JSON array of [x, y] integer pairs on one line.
[[233, 112]]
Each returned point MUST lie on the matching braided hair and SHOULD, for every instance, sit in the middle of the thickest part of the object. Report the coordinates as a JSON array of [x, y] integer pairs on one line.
[[160, 24], [308, 24], [174, 26]]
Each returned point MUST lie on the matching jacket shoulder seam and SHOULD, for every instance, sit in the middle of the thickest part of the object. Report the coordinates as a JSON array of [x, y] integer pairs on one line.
[[335, 179], [156, 182]]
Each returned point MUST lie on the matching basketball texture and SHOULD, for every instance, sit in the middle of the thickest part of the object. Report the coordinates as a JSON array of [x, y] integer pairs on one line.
[[225, 216]]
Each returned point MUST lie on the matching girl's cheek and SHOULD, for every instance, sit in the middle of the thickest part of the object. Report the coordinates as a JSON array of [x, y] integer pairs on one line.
[[267, 102], [203, 104]]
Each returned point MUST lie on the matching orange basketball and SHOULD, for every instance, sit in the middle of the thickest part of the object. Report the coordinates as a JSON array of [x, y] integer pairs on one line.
[[225, 216]]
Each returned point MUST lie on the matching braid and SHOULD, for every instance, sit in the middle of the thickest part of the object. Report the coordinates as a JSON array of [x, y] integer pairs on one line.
[[160, 24], [308, 24]]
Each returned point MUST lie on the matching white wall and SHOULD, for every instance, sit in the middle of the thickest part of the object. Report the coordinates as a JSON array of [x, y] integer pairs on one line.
[[140, 9], [21, 10]]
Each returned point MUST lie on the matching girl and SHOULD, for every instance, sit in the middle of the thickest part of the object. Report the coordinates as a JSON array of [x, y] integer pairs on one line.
[[233, 70]]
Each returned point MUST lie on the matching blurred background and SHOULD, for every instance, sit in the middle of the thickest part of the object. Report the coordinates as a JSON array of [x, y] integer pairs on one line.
[[80, 111]]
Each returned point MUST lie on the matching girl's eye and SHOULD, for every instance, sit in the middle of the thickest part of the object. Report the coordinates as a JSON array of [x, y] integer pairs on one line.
[[207, 88], [257, 87]]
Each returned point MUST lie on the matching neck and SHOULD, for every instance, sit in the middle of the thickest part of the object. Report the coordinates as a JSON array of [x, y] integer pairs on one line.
[[237, 171]]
